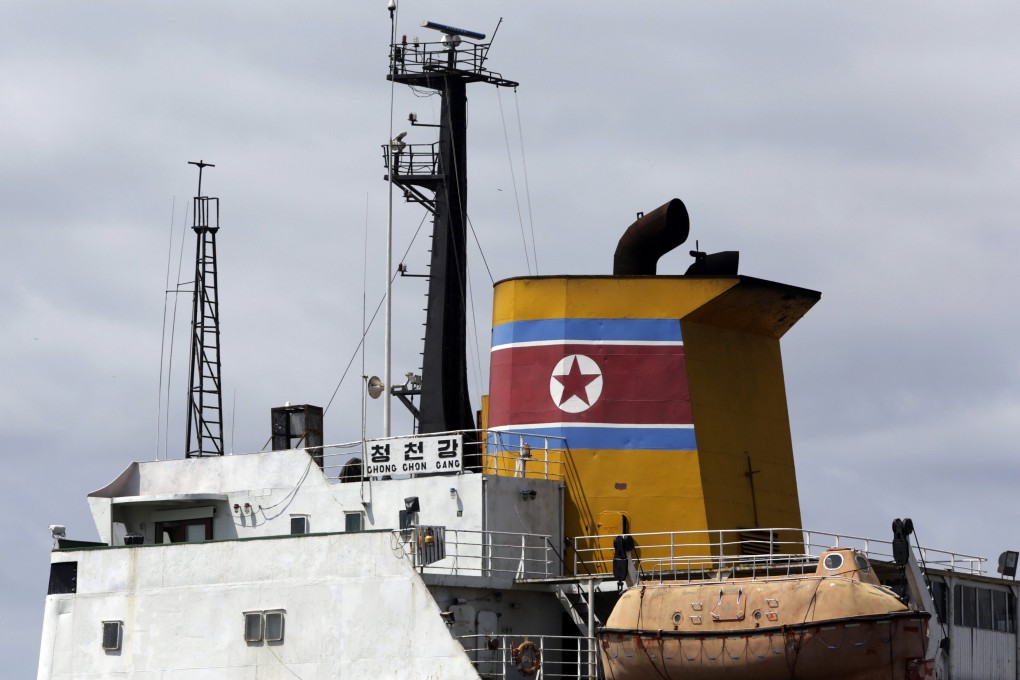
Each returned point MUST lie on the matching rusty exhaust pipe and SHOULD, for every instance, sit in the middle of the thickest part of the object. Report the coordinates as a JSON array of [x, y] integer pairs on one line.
[[649, 238]]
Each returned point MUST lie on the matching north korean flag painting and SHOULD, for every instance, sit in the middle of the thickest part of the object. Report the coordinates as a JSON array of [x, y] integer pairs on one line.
[[600, 383]]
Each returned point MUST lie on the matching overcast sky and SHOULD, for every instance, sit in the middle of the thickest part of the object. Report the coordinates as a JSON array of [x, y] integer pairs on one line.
[[868, 150]]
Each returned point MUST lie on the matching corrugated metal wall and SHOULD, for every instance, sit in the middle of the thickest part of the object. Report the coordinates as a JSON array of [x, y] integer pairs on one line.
[[982, 654]]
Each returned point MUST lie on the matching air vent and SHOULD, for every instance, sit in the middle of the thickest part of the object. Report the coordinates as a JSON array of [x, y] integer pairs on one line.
[[761, 542]]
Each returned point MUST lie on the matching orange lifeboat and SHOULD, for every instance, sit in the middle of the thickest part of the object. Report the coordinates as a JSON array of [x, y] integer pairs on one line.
[[837, 623]]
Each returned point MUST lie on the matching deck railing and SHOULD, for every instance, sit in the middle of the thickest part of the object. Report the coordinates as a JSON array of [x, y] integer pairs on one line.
[[440, 550], [558, 656], [748, 552]]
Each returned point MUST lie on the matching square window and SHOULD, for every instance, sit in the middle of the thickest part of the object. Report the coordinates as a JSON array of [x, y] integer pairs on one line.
[[969, 606], [299, 524], [253, 626], [112, 635], [274, 626], [1000, 613], [354, 521]]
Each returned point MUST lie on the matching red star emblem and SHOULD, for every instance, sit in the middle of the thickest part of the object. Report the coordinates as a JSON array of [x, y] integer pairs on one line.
[[575, 383]]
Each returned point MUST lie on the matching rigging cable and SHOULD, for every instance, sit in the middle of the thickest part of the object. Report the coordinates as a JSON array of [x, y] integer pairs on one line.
[[476, 354], [173, 327], [364, 330], [931, 592], [370, 322], [513, 181], [480, 251], [162, 340], [527, 184]]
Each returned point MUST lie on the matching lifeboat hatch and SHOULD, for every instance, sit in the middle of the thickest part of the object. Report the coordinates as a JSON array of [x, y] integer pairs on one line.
[[730, 605]]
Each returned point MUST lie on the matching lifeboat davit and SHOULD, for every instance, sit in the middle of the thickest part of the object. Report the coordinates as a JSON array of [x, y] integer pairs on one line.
[[837, 623]]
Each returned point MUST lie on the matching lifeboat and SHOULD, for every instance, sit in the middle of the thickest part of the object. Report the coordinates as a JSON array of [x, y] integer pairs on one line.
[[837, 622]]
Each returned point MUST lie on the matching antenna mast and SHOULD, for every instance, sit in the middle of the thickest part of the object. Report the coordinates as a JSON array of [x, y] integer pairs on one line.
[[434, 175], [204, 436]]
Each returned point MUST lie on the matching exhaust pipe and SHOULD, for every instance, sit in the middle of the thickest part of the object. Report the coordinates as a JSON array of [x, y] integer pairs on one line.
[[649, 238]]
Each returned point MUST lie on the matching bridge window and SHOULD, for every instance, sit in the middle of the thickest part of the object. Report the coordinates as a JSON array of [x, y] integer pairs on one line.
[[984, 608]]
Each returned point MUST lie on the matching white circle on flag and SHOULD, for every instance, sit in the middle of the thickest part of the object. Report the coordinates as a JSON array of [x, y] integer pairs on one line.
[[576, 383]]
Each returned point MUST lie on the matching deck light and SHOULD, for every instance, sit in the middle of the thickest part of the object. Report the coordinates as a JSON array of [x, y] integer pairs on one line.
[[1007, 563]]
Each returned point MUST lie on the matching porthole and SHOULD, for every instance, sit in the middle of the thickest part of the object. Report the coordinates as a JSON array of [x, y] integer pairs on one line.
[[677, 618], [757, 614], [862, 563], [833, 561]]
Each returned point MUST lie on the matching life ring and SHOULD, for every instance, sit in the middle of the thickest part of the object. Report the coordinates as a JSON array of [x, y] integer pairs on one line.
[[527, 658]]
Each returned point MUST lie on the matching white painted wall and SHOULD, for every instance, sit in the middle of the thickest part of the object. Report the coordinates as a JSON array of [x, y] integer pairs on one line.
[[354, 609], [278, 484]]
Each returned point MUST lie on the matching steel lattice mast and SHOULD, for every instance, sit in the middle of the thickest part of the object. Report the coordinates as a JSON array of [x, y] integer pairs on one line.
[[204, 436]]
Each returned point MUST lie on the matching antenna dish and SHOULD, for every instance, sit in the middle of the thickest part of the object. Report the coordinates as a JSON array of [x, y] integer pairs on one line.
[[375, 387]]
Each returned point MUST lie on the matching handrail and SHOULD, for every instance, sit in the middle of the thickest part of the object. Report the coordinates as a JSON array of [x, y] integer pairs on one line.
[[751, 550], [559, 656], [464, 552], [425, 57]]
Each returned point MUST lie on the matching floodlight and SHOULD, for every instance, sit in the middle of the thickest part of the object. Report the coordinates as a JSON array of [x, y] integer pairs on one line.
[[1008, 563]]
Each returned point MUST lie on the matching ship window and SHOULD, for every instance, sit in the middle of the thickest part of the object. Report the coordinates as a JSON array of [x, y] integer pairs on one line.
[[274, 626], [253, 626], [1002, 611], [939, 593], [264, 625], [63, 578], [862, 563], [112, 634], [354, 521], [184, 530], [299, 524], [984, 608], [833, 561]]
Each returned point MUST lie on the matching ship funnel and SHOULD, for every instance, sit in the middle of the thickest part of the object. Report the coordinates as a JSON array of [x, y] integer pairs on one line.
[[649, 238]]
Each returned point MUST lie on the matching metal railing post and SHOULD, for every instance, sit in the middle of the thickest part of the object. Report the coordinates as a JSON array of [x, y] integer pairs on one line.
[[591, 627]]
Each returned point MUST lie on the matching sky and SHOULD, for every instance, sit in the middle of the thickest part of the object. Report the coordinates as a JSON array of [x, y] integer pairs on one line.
[[867, 150]]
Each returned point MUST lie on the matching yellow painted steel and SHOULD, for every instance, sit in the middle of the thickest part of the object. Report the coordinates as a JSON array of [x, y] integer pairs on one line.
[[742, 475], [742, 427], [602, 297]]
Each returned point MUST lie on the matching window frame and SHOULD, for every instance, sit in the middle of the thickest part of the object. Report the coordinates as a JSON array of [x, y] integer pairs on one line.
[[118, 626], [305, 529], [361, 521]]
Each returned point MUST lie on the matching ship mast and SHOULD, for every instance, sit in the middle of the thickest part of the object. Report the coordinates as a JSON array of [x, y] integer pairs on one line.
[[204, 435], [440, 169]]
